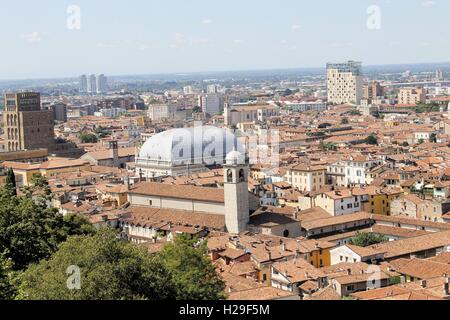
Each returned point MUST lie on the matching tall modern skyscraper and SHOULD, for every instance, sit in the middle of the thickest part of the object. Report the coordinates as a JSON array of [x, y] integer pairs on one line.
[[344, 82], [83, 85], [26, 126], [92, 84], [102, 84]]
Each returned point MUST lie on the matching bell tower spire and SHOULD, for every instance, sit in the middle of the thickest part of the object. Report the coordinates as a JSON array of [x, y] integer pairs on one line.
[[236, 192]]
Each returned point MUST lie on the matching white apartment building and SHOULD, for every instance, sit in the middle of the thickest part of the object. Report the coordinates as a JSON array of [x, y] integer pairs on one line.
[[423, 134], [341, 202], [344, 82], [83, 84], [110, 112], [101, 84], [160, 112], [188, 90], [92, 84], [352, 171], [304, 106]]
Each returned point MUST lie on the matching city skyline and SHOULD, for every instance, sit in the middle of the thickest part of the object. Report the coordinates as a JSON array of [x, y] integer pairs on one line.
[[194, 37]]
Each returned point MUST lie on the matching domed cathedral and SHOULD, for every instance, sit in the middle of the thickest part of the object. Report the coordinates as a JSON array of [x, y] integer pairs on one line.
[[183, 152]]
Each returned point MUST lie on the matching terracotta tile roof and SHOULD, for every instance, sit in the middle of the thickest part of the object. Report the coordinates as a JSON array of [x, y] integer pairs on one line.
[[444, 257], [232, 253], [411, 245], [410, 221], [107, 153], [397, 232], [421, 269], [325, 222], [327, 293], [357, 278], [261, 293], [180, 192], [298, 270], [155, 216]]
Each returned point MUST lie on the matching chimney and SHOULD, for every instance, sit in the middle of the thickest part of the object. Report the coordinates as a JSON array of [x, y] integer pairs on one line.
[[423, 283], [114, 146], [349, 271], [403, 280], [283, 247]]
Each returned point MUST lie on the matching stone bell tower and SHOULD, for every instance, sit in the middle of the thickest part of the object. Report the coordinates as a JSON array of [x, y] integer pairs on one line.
[[236, 192]]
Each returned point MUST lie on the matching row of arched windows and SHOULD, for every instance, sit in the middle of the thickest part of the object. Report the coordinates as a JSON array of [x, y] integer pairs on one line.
[[11, 119], [13, 134], [13, 146]]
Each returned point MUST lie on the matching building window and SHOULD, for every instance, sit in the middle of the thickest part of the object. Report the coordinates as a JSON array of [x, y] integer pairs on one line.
[[229, 176], [241, 175]]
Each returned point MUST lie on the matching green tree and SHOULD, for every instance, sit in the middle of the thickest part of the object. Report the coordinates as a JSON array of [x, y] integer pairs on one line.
[[7, 289], [394, 280], [354, 112], [372, 139], [10, 182], [193, 275], [196, 109], [102, 132], [110, 269], [88, 138], [365, 239], [30, 230], [433, 137]]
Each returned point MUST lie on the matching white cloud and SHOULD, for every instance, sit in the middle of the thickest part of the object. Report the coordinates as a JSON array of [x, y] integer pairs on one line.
[[206, 21], [32, 37], [296, 27], [428, 3], [283, 42], [238, 41]]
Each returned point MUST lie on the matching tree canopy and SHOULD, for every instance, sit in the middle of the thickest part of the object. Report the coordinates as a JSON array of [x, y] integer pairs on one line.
[[103, 267], [193, 274], [109, 269], [10, 182], [31, 231], [365, 239], [88, 138], [372, 139]]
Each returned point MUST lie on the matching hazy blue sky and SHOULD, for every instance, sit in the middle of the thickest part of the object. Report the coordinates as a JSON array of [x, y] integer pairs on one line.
[[158, 36]]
